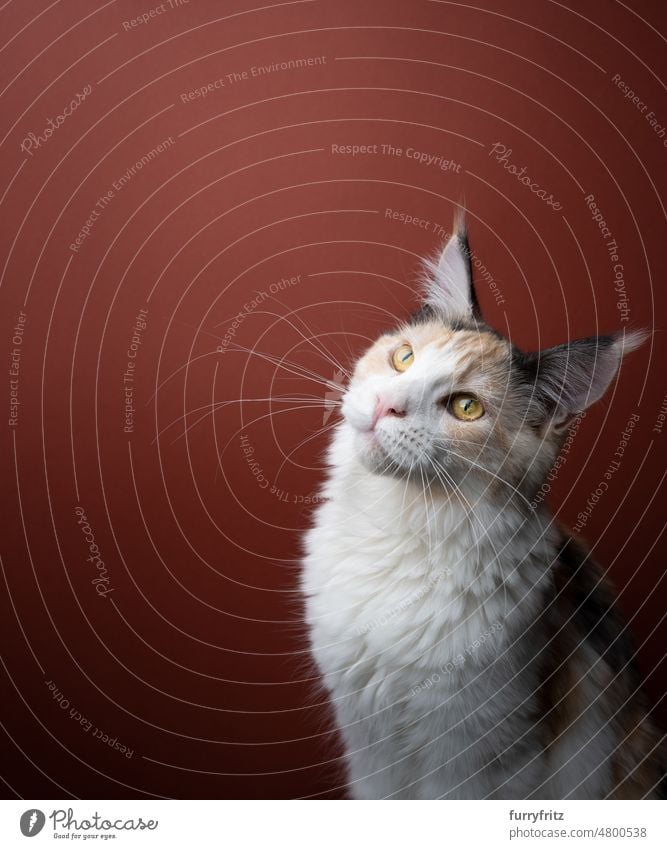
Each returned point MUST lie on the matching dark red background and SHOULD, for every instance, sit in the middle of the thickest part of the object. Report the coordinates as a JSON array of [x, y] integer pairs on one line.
[[197, 659]]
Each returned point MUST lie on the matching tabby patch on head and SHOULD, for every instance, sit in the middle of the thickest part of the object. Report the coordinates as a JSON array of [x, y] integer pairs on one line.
[[447, 397]]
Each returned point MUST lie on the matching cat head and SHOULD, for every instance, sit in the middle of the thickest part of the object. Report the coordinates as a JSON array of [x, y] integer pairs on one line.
[[446, 398]]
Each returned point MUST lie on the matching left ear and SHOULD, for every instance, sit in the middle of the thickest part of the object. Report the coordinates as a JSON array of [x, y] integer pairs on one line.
[[571, 377], [449, 286]]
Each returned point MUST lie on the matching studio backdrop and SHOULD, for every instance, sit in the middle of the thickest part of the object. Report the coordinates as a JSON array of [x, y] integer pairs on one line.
[[209, 210]]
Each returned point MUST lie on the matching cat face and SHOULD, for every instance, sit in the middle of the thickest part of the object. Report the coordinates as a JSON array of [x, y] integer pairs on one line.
[[446, 400], [435, 402]]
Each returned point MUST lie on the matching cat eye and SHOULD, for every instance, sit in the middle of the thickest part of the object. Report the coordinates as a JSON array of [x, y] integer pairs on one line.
[[403, 357], [467, 408]]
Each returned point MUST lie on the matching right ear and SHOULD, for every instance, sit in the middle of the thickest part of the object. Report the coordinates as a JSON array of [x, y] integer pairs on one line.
[[570, 378], [449, 286]]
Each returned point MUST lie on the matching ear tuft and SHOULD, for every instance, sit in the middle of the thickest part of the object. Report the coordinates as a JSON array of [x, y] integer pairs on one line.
[[632, 339], [448, 281]]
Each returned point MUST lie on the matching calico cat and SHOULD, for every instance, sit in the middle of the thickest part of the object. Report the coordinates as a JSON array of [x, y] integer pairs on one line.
[[470, 647]]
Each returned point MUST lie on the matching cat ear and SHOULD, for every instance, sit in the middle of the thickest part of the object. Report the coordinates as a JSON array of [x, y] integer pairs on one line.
[[449, 287], [569, 378]]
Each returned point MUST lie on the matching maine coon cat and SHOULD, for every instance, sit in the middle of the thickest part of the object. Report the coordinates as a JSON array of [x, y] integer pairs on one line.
[[470, 647]]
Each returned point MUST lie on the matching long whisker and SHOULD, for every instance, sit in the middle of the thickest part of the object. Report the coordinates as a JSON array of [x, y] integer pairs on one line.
[[303, 442], [283, 363], [427, 524], [296, 369], [324, 352], [307, 406], [251, 422], [493, 474], [315, 400], [176, 371], [407, 484], [308, 400], [450, 485], [485, 533]]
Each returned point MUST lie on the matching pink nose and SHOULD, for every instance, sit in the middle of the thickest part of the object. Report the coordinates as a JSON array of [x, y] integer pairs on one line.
[[386, 408]]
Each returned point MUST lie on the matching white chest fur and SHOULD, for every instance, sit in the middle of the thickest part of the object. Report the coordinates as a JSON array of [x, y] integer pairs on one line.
[[418, 613]]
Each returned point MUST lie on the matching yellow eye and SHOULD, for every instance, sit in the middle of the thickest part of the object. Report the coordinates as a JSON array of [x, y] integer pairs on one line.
[[403, 357], [466, 407]]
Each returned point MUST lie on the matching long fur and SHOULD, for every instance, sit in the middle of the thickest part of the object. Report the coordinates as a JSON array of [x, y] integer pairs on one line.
[[470, 648]]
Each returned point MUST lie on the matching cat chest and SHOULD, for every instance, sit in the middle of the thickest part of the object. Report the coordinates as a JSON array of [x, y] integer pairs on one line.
[[403, 615]]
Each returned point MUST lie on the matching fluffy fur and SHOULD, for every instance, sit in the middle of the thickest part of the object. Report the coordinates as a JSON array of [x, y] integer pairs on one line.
[[469, 646]]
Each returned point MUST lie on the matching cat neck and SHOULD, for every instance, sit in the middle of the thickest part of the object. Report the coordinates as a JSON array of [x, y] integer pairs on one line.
[[490, 525]]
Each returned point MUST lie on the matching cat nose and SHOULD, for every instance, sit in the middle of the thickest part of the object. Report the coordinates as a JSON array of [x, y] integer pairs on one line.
[[387, 408]]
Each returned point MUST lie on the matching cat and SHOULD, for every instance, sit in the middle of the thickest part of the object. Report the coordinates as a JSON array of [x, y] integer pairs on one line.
[[470, 647]]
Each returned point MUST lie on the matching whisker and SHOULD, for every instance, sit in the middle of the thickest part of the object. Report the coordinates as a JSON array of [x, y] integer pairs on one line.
[[317, 433], [485, 533], [321, 350], [215, 405], [180, 368], [493, 474], [301, 406], [296, 369], [463, 501]]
